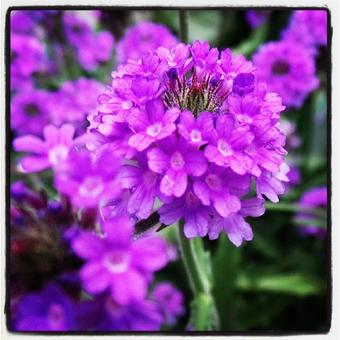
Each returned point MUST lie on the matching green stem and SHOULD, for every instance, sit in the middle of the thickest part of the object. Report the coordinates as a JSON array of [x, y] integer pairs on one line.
[[183, 25], [203, 314]]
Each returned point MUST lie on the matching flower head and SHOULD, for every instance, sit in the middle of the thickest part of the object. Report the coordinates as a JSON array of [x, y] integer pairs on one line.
[[288, 69], [141, 38]]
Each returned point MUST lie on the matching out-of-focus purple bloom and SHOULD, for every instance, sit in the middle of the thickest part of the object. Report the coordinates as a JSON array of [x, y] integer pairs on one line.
[[315, 198], [95, 184], [22, 22], [30, 112], [288, 69], [117, 263], [170, 301], [50, 152], [256, 18], [307, 28], [175, 160], [74, 100], [91, 47], [49, 310], [141, 38], [105, 314], [293, 141], [27, 57]]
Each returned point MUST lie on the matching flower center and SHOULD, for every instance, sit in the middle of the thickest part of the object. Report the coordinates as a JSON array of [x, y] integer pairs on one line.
[[91, 187], [194, 94], [117, 261], [213, 181], [32, 110], [177, 161], [195, 136], [58, 154], [280, 68], [224, 148], [150, 178], [154, 130], [191, 200]]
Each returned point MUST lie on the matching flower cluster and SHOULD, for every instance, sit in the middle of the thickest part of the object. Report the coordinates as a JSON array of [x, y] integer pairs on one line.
[[197, 128], [307, 28], [288, 65], [141, 38]]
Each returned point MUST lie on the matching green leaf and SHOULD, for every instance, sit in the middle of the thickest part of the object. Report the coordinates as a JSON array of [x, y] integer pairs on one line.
[[294, 284]]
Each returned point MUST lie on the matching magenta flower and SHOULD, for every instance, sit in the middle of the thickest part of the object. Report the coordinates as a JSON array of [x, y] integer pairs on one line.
[[196, 131], [117, 263], [50, 152], [141, 38], [175, 160], [27, 57], [152, 124], [144, 184], [228, 145], [182, 108], [288, 69]]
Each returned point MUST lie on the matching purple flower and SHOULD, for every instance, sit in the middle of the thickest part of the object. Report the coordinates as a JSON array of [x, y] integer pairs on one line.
[[117, 263], [95, 184], [175, 160], [256, 18], [181, 109], [190, 208], [307, 28], [30, 112], [315, 198], [235, 227], [22, 22], [49, 310], [288, 69], [141, 38], [228, 144], [152, 124], [50, 152], [170, 301], [91, 47], [27, 57], [196, 131], [74, 100], [105, 314]]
